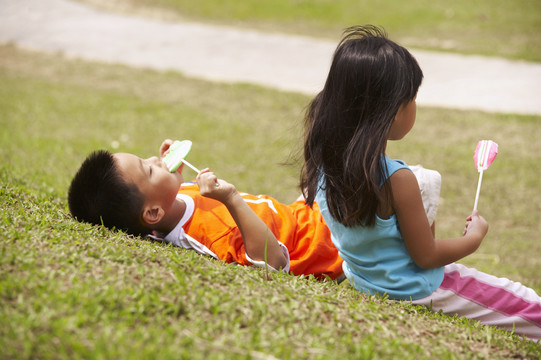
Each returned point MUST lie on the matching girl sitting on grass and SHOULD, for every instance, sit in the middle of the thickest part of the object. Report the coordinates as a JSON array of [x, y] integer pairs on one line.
[[372, 204]]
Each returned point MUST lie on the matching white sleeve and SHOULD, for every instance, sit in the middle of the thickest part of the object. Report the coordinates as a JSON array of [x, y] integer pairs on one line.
[[430, 186], [260, 263]]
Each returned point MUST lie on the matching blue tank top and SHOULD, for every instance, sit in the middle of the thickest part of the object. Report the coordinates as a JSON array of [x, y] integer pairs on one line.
[[375, 258]]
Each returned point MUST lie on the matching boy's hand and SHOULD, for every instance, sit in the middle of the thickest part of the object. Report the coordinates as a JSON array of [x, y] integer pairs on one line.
[[214, 188], [164, 147], [259, 242]]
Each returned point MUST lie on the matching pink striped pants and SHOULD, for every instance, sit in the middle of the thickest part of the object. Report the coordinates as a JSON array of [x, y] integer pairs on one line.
[[491, 300]]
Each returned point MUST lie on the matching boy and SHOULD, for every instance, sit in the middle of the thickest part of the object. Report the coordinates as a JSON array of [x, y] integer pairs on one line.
[[141, 197]]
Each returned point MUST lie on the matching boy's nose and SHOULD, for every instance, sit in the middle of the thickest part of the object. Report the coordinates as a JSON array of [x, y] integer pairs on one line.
[[154, 160]]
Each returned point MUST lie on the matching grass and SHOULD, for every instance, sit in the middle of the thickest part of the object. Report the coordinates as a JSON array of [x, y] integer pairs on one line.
[[70, 290], [487, 27]]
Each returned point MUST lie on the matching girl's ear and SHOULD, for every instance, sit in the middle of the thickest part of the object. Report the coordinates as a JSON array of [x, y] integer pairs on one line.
[[152, 214]]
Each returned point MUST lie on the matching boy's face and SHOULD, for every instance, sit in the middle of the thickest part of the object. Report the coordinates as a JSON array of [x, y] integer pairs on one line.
[[157, 185]]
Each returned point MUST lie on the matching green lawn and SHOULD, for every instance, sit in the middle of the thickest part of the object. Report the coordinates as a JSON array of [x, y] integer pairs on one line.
[[69, 290], [488, 27]]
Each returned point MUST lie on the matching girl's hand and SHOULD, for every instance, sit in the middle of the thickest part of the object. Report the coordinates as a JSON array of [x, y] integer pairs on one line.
[[476, 227], [164, 147], [214, 188]]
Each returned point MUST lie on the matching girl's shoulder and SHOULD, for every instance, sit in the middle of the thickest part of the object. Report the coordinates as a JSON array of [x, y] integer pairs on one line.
[[405, 188]]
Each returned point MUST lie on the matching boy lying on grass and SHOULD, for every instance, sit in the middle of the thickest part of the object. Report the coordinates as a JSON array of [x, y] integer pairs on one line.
[[141, 197]]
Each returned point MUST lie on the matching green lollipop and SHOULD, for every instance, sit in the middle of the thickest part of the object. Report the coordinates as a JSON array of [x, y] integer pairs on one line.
[[175, 157]]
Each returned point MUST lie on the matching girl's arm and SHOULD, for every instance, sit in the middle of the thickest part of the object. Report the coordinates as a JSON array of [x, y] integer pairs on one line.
[[255, 232], [425, 250]]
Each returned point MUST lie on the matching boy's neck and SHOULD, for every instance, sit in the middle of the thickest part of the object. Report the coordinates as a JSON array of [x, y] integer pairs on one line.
[[171, 217]]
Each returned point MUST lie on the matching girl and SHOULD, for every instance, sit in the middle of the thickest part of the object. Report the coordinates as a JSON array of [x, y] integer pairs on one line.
[[373, 205]]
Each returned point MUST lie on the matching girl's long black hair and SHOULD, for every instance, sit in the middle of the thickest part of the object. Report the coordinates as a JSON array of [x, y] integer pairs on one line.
[[347, 123]]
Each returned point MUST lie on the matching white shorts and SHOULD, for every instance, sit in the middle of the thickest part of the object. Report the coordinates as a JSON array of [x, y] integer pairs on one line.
[[495, 301]]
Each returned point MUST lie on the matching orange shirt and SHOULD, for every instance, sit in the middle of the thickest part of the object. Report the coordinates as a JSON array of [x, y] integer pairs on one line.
[[301, 229]]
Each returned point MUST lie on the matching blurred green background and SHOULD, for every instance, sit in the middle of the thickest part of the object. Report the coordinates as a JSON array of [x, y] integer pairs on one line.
[[503, 28]]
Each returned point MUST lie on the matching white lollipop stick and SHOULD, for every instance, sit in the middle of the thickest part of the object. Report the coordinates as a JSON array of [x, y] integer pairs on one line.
[[478, 190], [190, 166]]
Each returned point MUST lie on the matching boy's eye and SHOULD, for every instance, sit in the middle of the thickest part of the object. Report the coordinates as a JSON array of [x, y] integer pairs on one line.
[[150, 171]]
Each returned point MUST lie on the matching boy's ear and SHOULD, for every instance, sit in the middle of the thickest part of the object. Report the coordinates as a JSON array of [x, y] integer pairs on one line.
[[152, 214]]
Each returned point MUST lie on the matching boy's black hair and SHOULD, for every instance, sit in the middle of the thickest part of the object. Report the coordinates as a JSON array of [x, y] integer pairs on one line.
[[99, 195]]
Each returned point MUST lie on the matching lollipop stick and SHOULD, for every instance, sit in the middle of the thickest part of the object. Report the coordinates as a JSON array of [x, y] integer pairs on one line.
[[191, 166], [478, 190]]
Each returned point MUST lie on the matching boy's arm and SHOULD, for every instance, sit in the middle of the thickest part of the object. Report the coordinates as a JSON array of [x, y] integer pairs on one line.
[[255, 233]]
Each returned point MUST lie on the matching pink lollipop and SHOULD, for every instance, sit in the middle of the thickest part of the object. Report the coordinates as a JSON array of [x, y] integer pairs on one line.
[[485, 153]]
